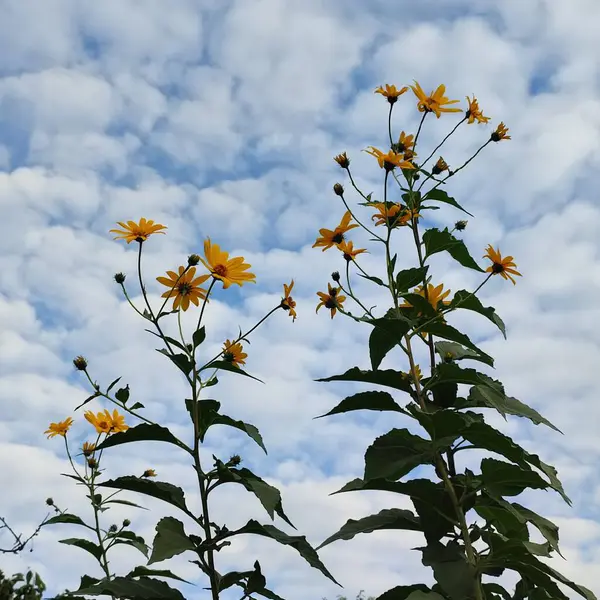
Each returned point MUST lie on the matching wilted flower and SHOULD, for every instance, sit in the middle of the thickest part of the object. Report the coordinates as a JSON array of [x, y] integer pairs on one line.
[[500, 133], [287, 302]]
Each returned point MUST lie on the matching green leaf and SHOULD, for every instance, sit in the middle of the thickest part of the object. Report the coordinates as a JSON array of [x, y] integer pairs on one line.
[[171, 340], [458, 352], [181, 361], [269, 496], [468, 301], [297, 542], [232, 578], [86, 545], [396, 454], [137, 405], [224, 365], [125, 502], [143, 432], [502, 519], [410, 592], [375, 400], [143, 588], [131, 539], [503, 479], [387, 333], [410, 278], [110, 387], [157, 489], [387, 377], [448, 332], [441, 196], [486, 396], [393, 518], [65, 518], [444, 427], [376, 280], [437, 241], [199, 336], [170, 540], [452, 572], [418, 303], [247, 428], [256, 580], [122, 394], [452, 373], [143, 571]]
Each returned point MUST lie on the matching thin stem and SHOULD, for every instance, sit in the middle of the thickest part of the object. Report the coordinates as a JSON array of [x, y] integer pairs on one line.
[[353, 215], [350, 293], [205, 302], [419, 129], [390, 124], [137, 310], [180, 329], [443, 141]]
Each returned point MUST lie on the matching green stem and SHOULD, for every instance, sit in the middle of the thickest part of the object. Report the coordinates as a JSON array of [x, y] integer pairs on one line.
[[353, 215], [390, 124], [443, 141]]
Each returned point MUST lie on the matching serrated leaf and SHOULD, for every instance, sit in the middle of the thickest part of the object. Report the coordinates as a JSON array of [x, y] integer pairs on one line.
[[157, 489], [144, 432], [387, 378], [458, 351], [386, 334], [437, 241], [65, 518], [396, 454], [224, 365], [170, 540], [504, 479], [441, 196], [376, 400], [249, 429], [393, 518], [181, 361], [131, 539], [468, 301], [86, 545], [143, 588], [199, 336], [297, 542], [410, 592], [410, 278], [171, 340], [143, 571]]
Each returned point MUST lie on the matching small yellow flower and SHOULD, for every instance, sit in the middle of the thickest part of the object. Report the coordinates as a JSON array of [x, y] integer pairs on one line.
[[405, 145], [149, 473], [234, 353], [342, 160], [228, 270], [390, 160], [474, 113], [88, 448], [331, 300], [348, 250], [436, 102], [500, 133], [505, 267], [137, 232], [287, 302], [59, 428], [440, 165], [184, 287], [396, 215], [331, 238], [434, 296], [410, 375], [104, 422], [391, 92]]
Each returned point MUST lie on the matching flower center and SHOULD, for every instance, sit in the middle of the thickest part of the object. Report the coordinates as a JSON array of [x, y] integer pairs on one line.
[[331, 303], [220, 270], [184, 288], [497, 268], [228, 356], [337, 238]]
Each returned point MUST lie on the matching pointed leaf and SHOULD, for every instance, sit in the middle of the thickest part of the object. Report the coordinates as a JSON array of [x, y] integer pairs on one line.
[[457, 351], [441, 196], [503, 479], [387, 333], [170, 540], [199, 336], [410, 278], [393, 518], [137, 405], [125, 502], [468, 301], [247, 428], [122, 394], [376, 280], [181, 361], [437, 241], [143, 571], [387, 377], [227, 366], [366, 401], [143, 432], [131, 539], [143, 588], [410, 592], [110, 387], [65, 518], [86, 545]]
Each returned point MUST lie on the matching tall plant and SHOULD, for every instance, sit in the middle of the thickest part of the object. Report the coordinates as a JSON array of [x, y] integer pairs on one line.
[[473, 529]]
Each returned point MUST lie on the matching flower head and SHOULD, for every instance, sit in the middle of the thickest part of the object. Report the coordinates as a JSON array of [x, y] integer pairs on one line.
[[342, 160], [460, 225], [287, 302], [104, 422], [500, 133], [334, 237], [234, 353], [440, 165], [149, 473], [338, 189], [88, 449], [434, 296], [228, 270], [80, 363], [59, 428], [474, 113], [348, 250], [395, 215], [435, 102], [390, 160], [410, 374], [137, 232], [505, 267], [405, 145], [331, 300], [391, 92], [184, 287], [119, 278]]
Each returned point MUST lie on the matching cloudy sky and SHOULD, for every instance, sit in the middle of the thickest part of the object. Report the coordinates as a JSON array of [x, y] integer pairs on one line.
[[221, 119]]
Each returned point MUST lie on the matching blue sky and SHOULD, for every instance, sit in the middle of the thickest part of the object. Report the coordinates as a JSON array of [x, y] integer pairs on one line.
[[223, 123]]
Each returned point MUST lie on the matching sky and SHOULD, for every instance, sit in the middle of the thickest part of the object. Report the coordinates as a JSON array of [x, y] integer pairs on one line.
[[221, 120]]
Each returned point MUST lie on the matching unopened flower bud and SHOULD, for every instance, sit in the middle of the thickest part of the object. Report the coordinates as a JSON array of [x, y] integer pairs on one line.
[[335, 276], [193, 260], [49, 502], [120, 278], [126, 523], [235, 460], [92, 463], [80, 363], [338, 189], [460, 225]]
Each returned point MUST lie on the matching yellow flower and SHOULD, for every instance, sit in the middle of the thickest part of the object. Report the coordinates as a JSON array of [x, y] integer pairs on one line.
[[434, 296], [348, 250], [331, 300], [149, 473], [104, 422], [474, 113], [330, 238], [59, 428], [287, 302], [88, 449], [405, 145], [137, 232], [504, 267], [390, 160], [233, 353], [440, 165], [500, 133], [184, 287], [390, 92], [410, 376], [342, 160], [436, 101], [227, 270], [396, 215]]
